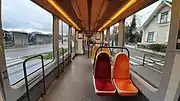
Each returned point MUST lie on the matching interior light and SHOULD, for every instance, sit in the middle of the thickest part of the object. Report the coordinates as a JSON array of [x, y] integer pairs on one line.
[[57, 7], [130, 3]]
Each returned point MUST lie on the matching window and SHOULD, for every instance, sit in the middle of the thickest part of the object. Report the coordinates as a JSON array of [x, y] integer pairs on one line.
[[150, 37], [73, 39], [27, 32], [164, 17], [63, 33], [146, 59]]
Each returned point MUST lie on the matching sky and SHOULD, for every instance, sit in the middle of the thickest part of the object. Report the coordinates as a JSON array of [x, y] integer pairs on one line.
[[142, 15], [24, 15]]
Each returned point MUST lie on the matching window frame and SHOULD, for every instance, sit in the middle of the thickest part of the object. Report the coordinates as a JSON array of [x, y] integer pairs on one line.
[[23, 57], [164, 17], [150, 35]]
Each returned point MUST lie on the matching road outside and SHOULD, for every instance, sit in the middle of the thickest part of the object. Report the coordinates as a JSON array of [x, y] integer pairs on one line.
[[16, 56], [33, 49]]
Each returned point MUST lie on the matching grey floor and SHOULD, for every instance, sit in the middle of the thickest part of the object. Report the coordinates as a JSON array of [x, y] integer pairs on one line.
[[76, 85]]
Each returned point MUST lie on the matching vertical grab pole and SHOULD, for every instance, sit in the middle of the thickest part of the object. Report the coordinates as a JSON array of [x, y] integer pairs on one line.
[[26, 80], [43, 74], [71, 53], [144, 59], [63, 58], [88, 49], [26, 76], [91, 49], [58, 63], [68, 53]]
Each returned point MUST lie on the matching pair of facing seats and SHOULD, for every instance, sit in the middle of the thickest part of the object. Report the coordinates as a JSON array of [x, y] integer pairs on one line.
[[105, 83], [95, 48]]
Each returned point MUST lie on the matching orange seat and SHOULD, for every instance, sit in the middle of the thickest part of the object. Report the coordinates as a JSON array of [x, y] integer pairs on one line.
[[121, 76], [103, 84]]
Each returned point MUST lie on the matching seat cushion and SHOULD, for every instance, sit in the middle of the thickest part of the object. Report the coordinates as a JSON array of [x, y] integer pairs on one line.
[[102, 68], [125, 87], [104, 85], [121, 66]]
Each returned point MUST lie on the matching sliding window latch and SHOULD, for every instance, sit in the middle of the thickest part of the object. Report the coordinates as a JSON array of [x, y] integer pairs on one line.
[[5, 74]]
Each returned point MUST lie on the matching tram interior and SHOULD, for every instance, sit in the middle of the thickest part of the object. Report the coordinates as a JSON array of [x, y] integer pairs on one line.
[[76, 59]]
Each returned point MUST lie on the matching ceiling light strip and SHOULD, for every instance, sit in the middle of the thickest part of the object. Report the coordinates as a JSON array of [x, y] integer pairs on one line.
[[63, 13], [130, 3]]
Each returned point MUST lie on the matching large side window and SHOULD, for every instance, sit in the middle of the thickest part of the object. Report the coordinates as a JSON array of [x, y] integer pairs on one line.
[[73, 39], [63, 33], [148, 49], [27, 31]]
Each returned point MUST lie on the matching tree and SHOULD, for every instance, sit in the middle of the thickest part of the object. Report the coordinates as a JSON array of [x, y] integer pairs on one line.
[[133, 23], [131, 35], [131, 28], [114, 36], [127, 33]]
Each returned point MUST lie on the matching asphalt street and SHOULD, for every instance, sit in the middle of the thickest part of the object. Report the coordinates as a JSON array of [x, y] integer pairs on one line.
[[35, 49]]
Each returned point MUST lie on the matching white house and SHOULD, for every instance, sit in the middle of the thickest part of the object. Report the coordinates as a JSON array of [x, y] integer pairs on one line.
[[156, 27]]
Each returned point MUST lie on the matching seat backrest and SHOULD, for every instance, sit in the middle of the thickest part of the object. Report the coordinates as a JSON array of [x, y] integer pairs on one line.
[[94, 52], [121, 66], [102, 69], [107, 50]]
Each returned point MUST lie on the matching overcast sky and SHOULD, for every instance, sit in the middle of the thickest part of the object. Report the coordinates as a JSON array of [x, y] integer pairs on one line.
[[25, 15], [143, 14]]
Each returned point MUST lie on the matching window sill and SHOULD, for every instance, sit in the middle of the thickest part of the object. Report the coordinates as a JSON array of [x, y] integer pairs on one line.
[[164, 24], [142, 81], [150, 41]]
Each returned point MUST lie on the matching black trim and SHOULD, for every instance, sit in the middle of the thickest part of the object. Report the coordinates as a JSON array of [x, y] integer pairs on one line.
[[153, 61], [101, 47]]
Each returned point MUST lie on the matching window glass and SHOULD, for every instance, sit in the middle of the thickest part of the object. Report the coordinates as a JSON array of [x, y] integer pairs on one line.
[[164, 17], [150, 37], [27, 31], [63, 33], [147, 41], [73, 39]]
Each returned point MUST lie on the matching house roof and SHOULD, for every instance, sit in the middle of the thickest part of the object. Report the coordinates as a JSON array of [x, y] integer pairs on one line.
[[156, 11], [18, 32]]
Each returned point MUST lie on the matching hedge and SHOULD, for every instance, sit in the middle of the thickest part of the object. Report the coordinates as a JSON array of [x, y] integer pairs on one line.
[[157, 47], [154, 47]]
